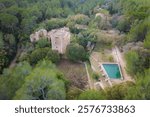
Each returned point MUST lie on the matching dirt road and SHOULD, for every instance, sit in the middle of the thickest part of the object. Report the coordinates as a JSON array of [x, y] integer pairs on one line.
[[120, 59], [13, 62]]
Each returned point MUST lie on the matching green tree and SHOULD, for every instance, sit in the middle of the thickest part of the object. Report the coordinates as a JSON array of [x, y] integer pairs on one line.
[[123, 25], [55, 23], [8, 22], [73, 93], [33, 11], [24, 57], [12, 79], [139, 35], [8, 3], [79, 19], [42, 43], [147, 41], [38, 54], [84, 37], [133, 60], [53, 56], [49, 13], [42, 84], [76, 52], [27, 26], [137, 61], [10, 40], [1, 41], [118, 92], [3, 59], [141, 90], [95, 76], [91, 95], [10, 46]]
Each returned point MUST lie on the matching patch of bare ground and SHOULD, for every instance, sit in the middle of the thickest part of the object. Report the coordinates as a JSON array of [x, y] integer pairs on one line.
[[75, 73]]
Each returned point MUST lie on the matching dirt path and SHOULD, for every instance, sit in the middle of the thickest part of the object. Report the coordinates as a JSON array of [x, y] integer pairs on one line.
[[91, 84], [120, 59], [13, 62]]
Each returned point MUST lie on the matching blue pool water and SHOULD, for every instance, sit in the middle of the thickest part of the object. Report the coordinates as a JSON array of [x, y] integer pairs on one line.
[[112, 70]]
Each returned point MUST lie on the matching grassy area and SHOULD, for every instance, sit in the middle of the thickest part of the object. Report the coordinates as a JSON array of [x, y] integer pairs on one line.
[[103, 42], [106, 39], [92, 73], [100, 46], [74, 72]]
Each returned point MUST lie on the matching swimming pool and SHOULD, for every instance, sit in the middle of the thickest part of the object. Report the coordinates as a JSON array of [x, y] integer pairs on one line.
[[112, 71]]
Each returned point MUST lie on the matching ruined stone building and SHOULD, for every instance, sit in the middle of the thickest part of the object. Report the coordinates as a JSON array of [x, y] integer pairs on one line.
[[38, 35], [59, 38]]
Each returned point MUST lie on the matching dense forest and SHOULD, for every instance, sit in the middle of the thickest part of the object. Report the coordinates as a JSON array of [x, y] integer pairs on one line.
[[20, 18], [35, 74]]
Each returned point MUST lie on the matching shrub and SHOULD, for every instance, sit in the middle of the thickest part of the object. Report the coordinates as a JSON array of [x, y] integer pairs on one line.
[[147, 41], [95, 76], [76, 52], [111, 59], [42, 43], [92, 95], [38, 54], [53, 56]]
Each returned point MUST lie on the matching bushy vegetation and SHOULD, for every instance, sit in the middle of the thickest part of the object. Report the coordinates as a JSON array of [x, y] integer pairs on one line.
[[36, 77], [95, 76], [44, 83], [13, 79], [136, 23], [39, 54], [18, 19], [42, 43], [132, 18], [76, 52], [91, 95], [141, 90]]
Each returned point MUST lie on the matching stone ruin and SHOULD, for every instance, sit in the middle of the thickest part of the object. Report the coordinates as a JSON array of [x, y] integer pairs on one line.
[[59, 38], [42, 33]]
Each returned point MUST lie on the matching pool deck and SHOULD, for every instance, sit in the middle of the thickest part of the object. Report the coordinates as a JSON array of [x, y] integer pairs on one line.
[[105, 81]]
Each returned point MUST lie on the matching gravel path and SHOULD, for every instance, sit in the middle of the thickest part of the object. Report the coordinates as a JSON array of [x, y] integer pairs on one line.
[[120, 59], [91, 84]]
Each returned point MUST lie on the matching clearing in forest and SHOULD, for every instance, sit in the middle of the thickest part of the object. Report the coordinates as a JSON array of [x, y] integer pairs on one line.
[[75, 73]]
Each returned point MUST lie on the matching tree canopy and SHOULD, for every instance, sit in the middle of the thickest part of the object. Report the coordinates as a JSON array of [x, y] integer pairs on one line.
[[91, 95], [12, 79], [45, 82], [76, 52]]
